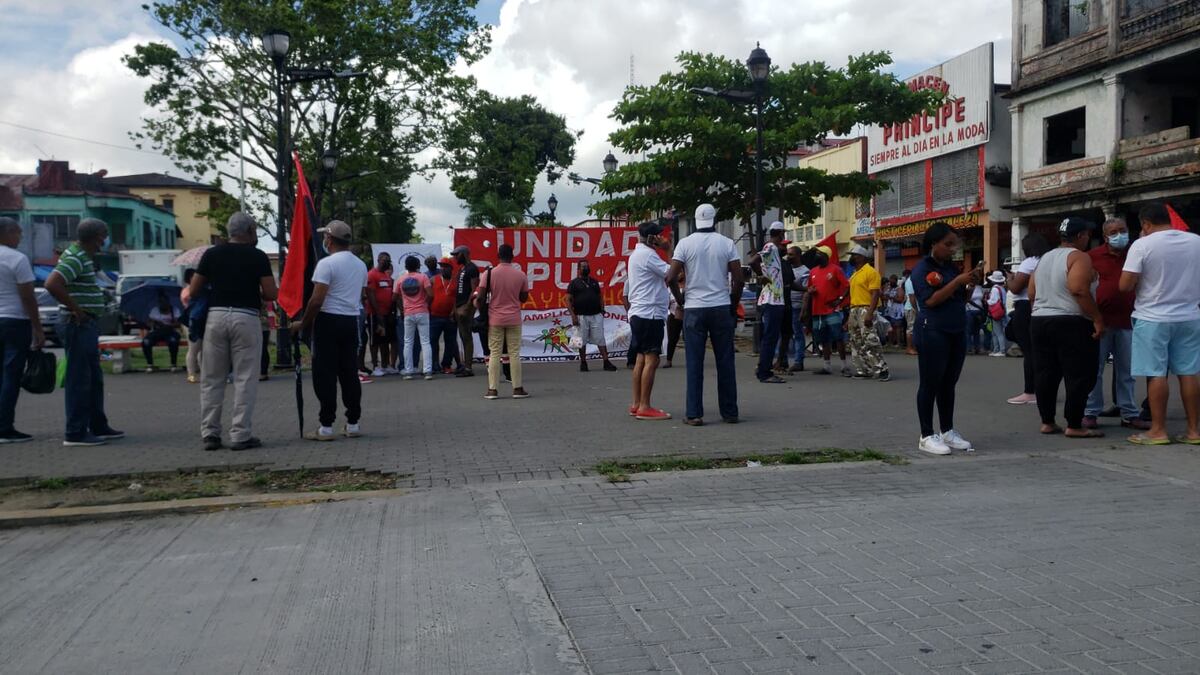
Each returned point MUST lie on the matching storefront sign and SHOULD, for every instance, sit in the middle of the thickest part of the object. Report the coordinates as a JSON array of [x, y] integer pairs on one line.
[[862, 227], [963, 121], [915, 229]]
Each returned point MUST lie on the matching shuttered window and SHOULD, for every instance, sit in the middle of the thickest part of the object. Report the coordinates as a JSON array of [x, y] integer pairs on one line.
[[956, 179]]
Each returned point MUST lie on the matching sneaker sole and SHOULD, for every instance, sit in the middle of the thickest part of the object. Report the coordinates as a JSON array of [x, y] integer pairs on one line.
[[15, 440], [934, 452], [319, 438], [81, 444]]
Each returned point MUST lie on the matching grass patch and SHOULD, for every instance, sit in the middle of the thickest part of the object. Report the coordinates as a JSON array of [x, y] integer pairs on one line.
[[50, 484], [618, 470], [59, 492]]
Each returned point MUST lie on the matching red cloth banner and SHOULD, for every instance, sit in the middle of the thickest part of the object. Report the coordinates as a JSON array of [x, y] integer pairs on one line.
[[549, 256]]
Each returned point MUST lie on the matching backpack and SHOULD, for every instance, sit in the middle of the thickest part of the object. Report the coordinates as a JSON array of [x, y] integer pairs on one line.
[[996, 309]]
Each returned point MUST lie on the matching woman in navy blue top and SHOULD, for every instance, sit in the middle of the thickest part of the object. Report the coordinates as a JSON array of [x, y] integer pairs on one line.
[[940, 335]]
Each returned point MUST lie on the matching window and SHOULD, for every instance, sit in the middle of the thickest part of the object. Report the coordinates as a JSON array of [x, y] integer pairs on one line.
[[169, 204], [1185, 112], [956, 179], [64, 226], [1064, 19], [146, 234], [158, 242], [1065, 136], [820, 233], [118, 233]]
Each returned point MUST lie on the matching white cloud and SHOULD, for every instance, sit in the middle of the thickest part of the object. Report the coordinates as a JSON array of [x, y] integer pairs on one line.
[[573, 55]]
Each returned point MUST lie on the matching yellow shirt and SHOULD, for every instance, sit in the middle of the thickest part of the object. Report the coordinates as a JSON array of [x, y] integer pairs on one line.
[[864, 280]]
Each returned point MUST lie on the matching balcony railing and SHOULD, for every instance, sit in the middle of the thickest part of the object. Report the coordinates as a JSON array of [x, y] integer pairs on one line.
[[1178, 16]]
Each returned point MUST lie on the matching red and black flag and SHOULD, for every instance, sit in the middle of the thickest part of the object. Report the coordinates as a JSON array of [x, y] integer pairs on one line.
[[295, 287]]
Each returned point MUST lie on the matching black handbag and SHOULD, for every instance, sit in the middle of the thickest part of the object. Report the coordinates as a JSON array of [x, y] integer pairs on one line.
[[480, 322], [41, 369]]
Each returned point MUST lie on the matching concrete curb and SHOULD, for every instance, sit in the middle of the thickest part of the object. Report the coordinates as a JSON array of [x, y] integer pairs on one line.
[[86, 514]]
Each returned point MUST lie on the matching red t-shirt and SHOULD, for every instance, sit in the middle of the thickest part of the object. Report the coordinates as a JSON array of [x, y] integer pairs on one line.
[[1115, 306], [443, 296], [381, 287], [828, 283]]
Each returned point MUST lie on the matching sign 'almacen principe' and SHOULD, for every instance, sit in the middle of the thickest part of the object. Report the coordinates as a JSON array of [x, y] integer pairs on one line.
[[963, 121]]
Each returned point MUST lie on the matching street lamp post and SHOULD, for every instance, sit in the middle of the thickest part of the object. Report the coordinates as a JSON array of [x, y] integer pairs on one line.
[[553, 204], [351, 204], [610, 165], [759, 65], [276, 44]]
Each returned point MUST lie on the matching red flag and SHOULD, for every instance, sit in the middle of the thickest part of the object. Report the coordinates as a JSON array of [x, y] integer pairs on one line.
[[831, 242], [1177, 222], [295, 285]]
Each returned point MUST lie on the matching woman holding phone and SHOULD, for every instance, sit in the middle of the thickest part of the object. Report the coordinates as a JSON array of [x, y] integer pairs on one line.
[[940, 295]]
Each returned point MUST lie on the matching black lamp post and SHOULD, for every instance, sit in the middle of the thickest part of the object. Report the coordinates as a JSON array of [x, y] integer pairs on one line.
[[276, 44], [553, 204], [351, 204], [610, 165], [759, 65]]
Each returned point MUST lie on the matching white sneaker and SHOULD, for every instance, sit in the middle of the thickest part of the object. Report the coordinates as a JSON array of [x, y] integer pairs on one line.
[[428, 376], [999, 354], [408, 376], [390, 371], [352, 431], [378, 372], [933, 445], [955, 441]]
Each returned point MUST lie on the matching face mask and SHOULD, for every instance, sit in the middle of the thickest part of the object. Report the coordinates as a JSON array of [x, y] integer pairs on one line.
[[106, 243], [1119, 241], [324, 246]]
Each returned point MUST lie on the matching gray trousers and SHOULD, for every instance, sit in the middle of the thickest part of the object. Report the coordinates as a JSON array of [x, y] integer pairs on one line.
[[231, 339]]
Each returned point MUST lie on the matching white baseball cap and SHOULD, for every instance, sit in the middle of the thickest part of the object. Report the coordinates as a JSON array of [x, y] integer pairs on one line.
[[775, 227], [706, 215]]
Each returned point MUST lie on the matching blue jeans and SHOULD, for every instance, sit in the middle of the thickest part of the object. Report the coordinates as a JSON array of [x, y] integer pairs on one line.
[[771, 317], [798, 343], [84, 382], [443, 336], [698, 326], [1119, 343], [15, 338]]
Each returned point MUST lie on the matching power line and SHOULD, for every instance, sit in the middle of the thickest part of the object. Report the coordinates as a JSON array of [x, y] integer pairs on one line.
[[82, 140]]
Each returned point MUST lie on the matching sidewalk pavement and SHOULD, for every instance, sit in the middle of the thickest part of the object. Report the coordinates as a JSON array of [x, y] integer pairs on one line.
[[443, 432], [999, 563]]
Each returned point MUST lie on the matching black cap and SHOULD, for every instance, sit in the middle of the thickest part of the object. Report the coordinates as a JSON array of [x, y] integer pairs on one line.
[[649, 228], [1073, 226]]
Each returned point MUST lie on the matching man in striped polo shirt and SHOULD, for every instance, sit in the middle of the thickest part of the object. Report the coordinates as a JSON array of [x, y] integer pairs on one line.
[[73, 284]]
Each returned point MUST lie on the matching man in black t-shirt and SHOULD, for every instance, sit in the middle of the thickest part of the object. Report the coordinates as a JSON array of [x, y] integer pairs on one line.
[[238, 276], [586, 304], [466, 281]]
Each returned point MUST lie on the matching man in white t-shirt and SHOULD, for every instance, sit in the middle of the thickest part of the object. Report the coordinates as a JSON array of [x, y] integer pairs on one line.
[[20, 326], [648, 302], [1161, 268], [332, 313], [714, 288]]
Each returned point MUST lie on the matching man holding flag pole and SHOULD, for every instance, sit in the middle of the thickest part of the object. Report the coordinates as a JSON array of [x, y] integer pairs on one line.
[[295, 286]]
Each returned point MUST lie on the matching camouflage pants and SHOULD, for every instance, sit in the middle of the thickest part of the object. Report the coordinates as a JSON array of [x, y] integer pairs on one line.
[[864, 344]]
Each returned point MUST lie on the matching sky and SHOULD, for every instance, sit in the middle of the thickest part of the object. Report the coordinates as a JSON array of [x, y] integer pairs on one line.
[[61, 60]]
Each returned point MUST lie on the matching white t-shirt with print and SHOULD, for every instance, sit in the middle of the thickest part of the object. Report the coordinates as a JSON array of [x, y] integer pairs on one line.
[[706, 257], [14, 269], [1168, 289], [346, 277]]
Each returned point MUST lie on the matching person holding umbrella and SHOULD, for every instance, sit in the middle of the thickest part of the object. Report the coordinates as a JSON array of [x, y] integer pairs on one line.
[[332, 315], [238, 279]]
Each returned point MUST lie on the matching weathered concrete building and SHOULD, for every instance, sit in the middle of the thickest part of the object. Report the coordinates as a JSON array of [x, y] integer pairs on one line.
[[1105, 107]]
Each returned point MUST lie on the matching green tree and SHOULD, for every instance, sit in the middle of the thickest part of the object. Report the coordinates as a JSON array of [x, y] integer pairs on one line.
[[495, 152], [213, 83], [700, 149]]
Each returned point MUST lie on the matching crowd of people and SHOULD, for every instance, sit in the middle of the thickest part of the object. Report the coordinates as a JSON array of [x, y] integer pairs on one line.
[[1071, 311]]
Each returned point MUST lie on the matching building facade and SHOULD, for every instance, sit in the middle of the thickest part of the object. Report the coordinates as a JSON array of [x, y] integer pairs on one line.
[[1105, 108], [951, 165], [188, 200], [839, 213], [50, 204]]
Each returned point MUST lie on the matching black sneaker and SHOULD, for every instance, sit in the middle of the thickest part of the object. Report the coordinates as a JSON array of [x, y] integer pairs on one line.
[[248, 444], [583, 367], [83, 440], [212, 443], [14, 436], [464, 373], [109, 434], [611, 368], [885, 375], [861, 376]]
